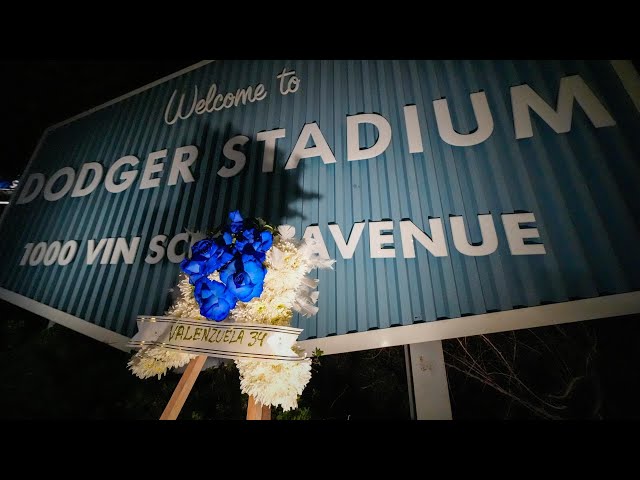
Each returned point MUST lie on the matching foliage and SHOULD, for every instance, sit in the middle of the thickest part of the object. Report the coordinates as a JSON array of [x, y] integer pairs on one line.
[[58, 373], [574, 371], [358, 385], [303, 413], [588, 367]]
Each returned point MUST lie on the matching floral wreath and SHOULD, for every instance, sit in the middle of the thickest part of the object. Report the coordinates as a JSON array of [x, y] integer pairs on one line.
[[247, 272]]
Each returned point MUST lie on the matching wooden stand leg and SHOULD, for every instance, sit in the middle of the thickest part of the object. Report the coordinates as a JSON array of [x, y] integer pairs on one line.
[[180, 394], [257, 411]]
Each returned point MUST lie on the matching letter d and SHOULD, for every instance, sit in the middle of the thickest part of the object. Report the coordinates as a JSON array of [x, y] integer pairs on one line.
[[25, 196], [79, 190], [354, 152]]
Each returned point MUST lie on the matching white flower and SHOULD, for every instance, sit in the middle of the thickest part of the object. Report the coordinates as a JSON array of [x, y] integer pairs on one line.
[[155, 361], [286, 231], [274, 383]]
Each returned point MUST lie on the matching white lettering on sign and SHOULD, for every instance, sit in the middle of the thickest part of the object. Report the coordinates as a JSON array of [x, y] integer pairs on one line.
[[439, 237], [214, 101], [572, 88], [483, 119], [516, 234], [117, 179], [96, 169], [354, 152], [311, 141], [238, 158], [380, 242], [55, 252], [321, 148], [270, 138], [436, 244], [522, 238], [347, 248]]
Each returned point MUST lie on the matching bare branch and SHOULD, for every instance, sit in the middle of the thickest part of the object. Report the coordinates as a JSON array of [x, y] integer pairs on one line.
[[569, 388], [515, 376], [509, 394], [343, 391]]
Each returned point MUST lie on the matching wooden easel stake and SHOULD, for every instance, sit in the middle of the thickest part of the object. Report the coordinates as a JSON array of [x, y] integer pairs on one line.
[[180, 394], [257, 411]]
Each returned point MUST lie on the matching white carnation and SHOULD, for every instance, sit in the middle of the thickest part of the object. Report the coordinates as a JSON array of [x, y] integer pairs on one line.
[[156, 361], [274, 383]]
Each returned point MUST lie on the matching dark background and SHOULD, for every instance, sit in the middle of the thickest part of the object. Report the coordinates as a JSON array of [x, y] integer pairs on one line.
[[39, 94], [587, 370]]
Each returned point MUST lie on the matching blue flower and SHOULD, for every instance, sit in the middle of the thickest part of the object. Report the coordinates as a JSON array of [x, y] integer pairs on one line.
[[195, 270], [236, 221], [259, 256], [244, 277], [195, 266], [245, 238], [253, 243], [202, 247], [208, 255], [227, 238], [263, 242], [214, 298]]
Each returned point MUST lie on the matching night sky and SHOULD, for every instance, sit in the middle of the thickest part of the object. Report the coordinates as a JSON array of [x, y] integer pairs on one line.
[[40, 94]]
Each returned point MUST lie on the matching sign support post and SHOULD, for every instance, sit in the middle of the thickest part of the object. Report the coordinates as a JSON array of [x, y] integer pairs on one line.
[[407, 365], [427, 381]]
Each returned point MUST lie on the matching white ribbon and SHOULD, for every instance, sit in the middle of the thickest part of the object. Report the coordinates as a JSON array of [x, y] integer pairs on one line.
[[218, 339]]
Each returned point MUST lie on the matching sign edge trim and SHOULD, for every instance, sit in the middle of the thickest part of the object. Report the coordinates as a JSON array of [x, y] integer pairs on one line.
[[530, 317], [74, 323], [518, 319], [166, 78]]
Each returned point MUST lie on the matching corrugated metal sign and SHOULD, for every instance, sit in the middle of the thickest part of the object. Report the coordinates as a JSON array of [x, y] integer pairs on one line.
[[443, 188]]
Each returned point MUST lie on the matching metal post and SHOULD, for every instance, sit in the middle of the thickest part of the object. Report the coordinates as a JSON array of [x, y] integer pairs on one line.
[[412, 400], [427, 381]]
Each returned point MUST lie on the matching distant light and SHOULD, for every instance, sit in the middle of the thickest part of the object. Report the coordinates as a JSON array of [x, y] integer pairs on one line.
[[8, 185], [2, 202]]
